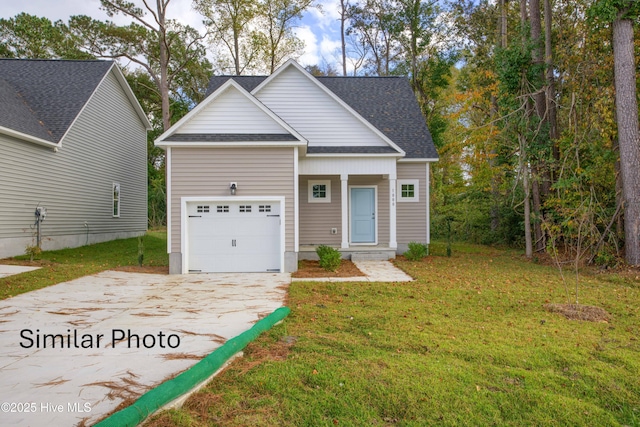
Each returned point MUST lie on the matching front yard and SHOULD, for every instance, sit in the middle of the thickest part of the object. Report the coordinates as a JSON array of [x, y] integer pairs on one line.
[[467, 343]]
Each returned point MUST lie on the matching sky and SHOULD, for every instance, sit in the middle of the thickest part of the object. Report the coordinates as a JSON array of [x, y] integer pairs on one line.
[[319, 30]]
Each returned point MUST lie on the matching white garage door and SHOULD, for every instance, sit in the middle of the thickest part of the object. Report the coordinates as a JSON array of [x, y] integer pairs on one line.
[[234, 236]]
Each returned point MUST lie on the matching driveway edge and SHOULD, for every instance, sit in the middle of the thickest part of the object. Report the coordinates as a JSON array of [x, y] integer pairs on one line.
[[202, 371]]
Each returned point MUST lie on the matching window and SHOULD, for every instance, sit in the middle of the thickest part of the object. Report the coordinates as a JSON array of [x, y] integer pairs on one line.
[[408, 190], [222, 209], [320, 191], [245, 209], [203, 209], [264, 208], [116, 199]]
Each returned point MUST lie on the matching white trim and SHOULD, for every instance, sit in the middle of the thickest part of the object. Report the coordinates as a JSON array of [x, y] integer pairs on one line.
[[211, 98], [184, 223], [168, 201], [246, 144], [375, 201], [346, 106], [327, 185], [320, 155], [393, 240], [25, 137], [405, 160], [416, 190], [116, 185], [344, 207], [296, 202]]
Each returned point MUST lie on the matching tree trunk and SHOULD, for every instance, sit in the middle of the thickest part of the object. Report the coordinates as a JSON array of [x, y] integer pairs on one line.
[[343, 18], [164, 67], [551, 88], [527, 198], [628, 133]]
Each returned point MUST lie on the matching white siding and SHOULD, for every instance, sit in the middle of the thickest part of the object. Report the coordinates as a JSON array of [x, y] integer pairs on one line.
[[313, 113], [231, 112], [106, 144]]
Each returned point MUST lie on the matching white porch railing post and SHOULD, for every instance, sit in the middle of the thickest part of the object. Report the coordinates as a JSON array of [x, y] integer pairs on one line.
[[393, 244], [344, 188]]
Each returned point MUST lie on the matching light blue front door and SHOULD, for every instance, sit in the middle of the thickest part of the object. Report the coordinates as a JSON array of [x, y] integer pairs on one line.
[[363, 215]]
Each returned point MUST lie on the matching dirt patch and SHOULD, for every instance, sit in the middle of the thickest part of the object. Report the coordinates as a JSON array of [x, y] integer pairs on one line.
[[311, 269], [579, 312], [150, 269]]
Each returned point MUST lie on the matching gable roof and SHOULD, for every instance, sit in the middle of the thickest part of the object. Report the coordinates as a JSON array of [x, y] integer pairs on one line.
[[181, 133], [41, 99], [388, 103]]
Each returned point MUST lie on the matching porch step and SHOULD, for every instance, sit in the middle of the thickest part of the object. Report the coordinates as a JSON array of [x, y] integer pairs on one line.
[[373, 256]]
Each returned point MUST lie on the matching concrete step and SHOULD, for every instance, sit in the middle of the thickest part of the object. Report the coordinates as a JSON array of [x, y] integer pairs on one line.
[[372, 256]]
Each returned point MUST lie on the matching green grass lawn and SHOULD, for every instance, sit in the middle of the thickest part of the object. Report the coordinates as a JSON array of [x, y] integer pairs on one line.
[[467, 343], [67, 264]]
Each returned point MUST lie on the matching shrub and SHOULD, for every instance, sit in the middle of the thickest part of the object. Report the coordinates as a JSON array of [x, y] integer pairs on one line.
[[330, 258], [416, 251]]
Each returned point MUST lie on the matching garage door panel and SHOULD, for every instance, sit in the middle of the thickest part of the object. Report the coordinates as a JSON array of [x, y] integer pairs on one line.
[[234, 237]]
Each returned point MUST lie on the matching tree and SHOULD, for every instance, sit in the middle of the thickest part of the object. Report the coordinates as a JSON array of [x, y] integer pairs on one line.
[[28, 36], [622, 13], [163, 47], [230, 23], [276, 21]]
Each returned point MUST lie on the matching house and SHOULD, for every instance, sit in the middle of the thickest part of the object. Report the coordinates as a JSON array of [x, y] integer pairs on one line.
[[73, 142], [267, 168]]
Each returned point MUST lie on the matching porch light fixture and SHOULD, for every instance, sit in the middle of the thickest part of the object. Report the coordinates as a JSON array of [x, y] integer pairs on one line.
[[232, 188]]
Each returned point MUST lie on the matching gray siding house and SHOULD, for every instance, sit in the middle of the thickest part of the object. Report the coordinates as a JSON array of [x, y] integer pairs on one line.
[[73, 141], [265, 169]]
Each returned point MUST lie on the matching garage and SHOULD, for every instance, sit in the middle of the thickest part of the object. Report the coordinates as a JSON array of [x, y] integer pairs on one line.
[[231, 236]]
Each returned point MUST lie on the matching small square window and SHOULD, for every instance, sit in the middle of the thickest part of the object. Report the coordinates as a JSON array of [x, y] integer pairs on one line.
[[245, 208], [264, 208], [116, 199], [222, 209], [203, 209], [320, 191], [408, 190]]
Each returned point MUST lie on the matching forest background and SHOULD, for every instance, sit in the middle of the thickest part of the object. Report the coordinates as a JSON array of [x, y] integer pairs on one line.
[[532, 104]]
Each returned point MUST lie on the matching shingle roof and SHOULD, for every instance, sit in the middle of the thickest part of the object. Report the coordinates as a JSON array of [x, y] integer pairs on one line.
[[231, 137], [388, 103], [42, 98]]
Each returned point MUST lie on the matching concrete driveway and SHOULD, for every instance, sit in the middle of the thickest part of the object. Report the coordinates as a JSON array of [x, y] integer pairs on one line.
[[71, 353]]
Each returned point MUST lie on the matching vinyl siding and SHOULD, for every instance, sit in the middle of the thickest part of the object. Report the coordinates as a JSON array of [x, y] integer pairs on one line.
[[207, 172], [411, 217], [317, 219], [106, 144], [313, 113], [231, 112]]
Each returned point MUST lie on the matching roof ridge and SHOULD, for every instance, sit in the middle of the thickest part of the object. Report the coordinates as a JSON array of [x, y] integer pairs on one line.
[[55, 60]]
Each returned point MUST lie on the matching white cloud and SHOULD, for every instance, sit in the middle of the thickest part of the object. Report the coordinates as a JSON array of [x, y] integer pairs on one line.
[[310, 56]]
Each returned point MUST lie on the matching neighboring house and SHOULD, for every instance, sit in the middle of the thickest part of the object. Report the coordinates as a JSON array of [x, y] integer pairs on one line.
[[73, 141], [267, 168]]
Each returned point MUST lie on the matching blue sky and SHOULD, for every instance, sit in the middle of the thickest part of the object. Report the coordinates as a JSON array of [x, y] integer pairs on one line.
[[319, 30]]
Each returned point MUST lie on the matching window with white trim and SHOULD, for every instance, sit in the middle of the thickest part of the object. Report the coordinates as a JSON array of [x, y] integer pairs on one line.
[[116, 199], [320, 191], [408, 190]]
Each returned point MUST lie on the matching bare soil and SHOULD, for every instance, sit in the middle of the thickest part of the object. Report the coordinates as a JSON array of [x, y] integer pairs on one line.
[[312, 269], [151, 269]]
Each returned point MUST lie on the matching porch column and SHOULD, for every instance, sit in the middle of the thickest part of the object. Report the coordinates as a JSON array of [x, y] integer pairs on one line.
[[344, 189], [393, 244]]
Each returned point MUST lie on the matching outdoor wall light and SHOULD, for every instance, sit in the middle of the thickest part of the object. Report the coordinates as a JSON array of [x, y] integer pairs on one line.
[[232, 188]]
